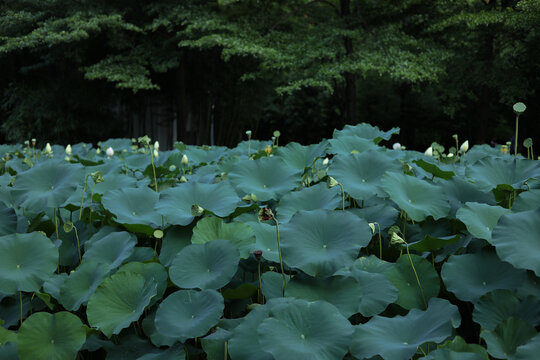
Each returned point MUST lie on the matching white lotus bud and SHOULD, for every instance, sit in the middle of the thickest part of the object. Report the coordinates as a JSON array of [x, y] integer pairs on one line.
[[156, 145], [372, 227], [325, 161], [333, 182], [396, 146], [48, 148], [464, 147], [185, 160], [109, 152], [450, 155], [98, 151], [156, 153], [429, 151], [68, 150]]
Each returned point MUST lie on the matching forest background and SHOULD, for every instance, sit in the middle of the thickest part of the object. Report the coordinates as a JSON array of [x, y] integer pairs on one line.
[[204, 72]]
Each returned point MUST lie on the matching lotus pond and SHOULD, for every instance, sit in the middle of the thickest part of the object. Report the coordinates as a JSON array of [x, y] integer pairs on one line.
[[345, 249]]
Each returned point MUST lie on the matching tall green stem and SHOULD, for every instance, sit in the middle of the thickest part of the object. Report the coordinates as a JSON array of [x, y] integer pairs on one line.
[[82, 197], [416, 275], [56, 224], [280, 257], [516, 138], [342, 196], [154, 170]]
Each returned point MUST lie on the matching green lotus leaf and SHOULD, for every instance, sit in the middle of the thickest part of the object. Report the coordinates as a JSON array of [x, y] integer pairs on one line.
[[430, 243], [418, 198], [305, 330], [530, 287], [458, 191], [516, 239], [527, 200], [447, 354], [377, 292], [133, 206], [348, 144], [358, 175], [26, 262], [299, 156], [118, 301], [9, 351], [81, 284], [457, 344], [366, 131], [399, 337], [435, 170], [8, 219], [72, 241], [173, 353], [499, 305], [266, 240], [45, 336], [112, 249], [272, 284], [470, 276], [320, 242], [312, 198], [204, 154], [480, 219], [6, 335], [490, 172], [205, 266], [46, 185], [188, 314], [267, 178], [371, 264], [175, 203], [174, 240], [212, 228], [503, 342], [149, 327], [384, 214], [53, 284], [214, 344], [528, 351], [403, 277], [129, 347], [151, 271]]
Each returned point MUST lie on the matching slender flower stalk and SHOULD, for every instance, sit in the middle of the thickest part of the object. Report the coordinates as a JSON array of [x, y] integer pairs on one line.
[[264, 215]]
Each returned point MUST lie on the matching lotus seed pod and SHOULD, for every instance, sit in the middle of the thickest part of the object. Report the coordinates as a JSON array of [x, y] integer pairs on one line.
[[519, 108], [109, 152], [248, 133]]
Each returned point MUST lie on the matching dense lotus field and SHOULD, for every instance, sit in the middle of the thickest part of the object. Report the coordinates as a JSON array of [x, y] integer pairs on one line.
[[346, 249]]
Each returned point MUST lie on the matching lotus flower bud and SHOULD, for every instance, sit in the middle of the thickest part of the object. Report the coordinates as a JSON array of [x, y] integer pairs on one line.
[[325, 161], [248, 133], [156, 153], [109, 152], [33, 142], [464, 147], [258, 254], [185, 160], [156, 145], [429, 151], [183, 179], [396, 146], [98, 151], [332, 182], [48, 148], [372, 227], [450, 155], [197, 210], [68, 150]]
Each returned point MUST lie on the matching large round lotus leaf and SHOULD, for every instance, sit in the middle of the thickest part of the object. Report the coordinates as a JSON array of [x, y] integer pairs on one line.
[[187, 314], [402, 276], [45, 336], [371, 264], [358, 175], [470, 276], [503, 342], [175, 203], [212, 228], [149, 327], [53, 284], [46, 185], [175, 239], [350, 144], [320, 242], [118, 301], [9, 351], [480, 219], [133, 206], [499, 305], [342, 292], [458, 191], [400, 336], [384, 214], [267, 178], [377, 292], [312, 198], [527, 200], [266, 240], [366, 131], [516, 239], [272, 284], [77, 288], [8, 219], [205, 266], [418, 198], [151, 271], [112, 249], [299, 156], [26, 262], [305, 330], [204, 154], [490, 172]]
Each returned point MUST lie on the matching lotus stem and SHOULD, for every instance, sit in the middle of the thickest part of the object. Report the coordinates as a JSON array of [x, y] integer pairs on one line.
[[82, 197], [380, 241], [516, 138], [280, 257], [416, 275], [20, 303], [342, 196], [78, 244], [56, 224], [225, 351], [261, 301], [90, 217], [154, 170]]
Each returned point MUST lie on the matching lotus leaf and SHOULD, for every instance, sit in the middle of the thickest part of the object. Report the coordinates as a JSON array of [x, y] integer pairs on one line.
[[458, 191], [266, 240], [81, 284], [300, 157], [26, 262], [348, 144], [8, 220], [205, 266], [399, 337], [503, 342], [188, 314], [516, 239], [267, 178], [118, 301], [312, 198], [175, 239], [175, 203], [480, 219], [149, 327], [490, 172], [212, 228], [384, 214], [527, 200], [366, 131], [419, 199], [470, 276], [45, 336], [152, 272], [112, 249], [320, 242]]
